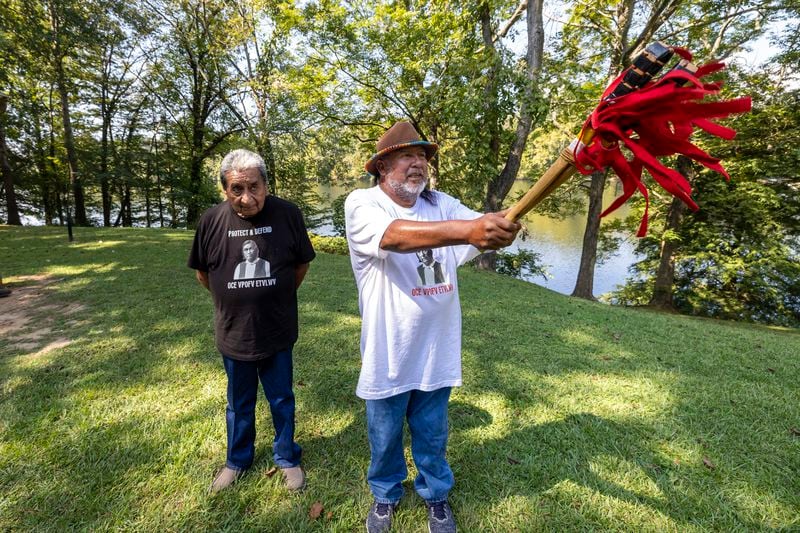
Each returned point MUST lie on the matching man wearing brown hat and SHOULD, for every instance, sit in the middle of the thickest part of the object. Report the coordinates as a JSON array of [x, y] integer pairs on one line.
[[411, 330]]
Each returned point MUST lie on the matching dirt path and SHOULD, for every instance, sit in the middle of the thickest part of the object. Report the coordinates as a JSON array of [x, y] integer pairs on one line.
[[28, 321]]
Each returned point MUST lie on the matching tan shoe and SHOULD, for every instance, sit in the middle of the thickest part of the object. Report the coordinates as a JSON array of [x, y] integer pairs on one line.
[[224, 479], [295, 478]]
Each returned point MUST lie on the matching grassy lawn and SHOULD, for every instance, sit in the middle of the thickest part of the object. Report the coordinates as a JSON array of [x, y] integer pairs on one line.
[[574, 415]]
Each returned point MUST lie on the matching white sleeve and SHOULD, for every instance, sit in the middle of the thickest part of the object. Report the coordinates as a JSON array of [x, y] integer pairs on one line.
[[455, 210], [365, 224], [458, 211]]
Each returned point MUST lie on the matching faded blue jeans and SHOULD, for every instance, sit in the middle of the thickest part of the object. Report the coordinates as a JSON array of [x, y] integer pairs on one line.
[[275, 374], [426, 413]]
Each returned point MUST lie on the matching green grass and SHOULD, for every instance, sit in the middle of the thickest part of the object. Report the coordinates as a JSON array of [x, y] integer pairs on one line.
[[574, 415]]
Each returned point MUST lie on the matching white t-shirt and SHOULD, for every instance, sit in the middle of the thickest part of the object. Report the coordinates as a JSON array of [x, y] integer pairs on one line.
[[410, 329]]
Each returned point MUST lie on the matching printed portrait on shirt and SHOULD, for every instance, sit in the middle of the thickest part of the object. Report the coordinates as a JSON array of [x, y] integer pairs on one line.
[[429, 269], [253, 266]]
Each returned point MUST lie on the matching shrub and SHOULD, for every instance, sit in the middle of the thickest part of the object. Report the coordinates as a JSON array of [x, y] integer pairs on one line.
[[329, 245]]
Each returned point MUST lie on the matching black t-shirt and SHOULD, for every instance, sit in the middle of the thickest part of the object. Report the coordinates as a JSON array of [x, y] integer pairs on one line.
[[251, 270]]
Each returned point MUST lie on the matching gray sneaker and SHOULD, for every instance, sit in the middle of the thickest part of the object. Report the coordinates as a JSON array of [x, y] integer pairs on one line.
[[440, 518], [379, 518], [295, 478], [224, 479]]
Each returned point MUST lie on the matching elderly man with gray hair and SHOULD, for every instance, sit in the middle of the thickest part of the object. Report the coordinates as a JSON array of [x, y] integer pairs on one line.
[[255, 308]]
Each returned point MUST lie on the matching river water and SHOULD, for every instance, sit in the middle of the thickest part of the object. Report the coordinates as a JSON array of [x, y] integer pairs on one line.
[[558, 241]]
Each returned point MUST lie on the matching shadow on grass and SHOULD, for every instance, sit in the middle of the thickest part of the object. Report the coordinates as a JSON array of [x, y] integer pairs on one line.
[[581, 450], [675, 397], [126, 425], [93, 429]]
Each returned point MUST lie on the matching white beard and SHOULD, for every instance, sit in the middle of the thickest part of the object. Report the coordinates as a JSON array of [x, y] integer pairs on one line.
[[406, 190]]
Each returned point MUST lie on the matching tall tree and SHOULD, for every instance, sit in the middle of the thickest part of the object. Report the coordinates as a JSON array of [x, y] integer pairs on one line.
[[669, 245], [259, 36], [8, 176], [27, 81], [6, 58], [500, 184], [613, 22], [737, 257], [188, 77], [446, 68], [68, 21], [113, 85]]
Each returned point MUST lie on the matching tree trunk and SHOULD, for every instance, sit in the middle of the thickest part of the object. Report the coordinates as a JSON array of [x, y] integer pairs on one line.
[[47, 204], [105, 115], [491, 119], [193, 205], [159, 192], [107, 106], [268, 154], [52, 167], [125, 209], [665, 274], [433, 177], [48, 180], [105, 189], [199, 106], [618, 54], [118, 221], [69, 145], [500, 185], [584, 285], [60, 208], [5, 167], [488, 260], [166, 169], [69, 139], [173, 209], [147, 202]]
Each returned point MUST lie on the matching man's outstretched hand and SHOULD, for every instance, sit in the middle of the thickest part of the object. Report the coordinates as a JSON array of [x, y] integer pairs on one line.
[[491, 231]]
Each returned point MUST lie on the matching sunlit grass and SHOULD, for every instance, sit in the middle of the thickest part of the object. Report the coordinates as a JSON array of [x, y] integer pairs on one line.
[[573, 415]]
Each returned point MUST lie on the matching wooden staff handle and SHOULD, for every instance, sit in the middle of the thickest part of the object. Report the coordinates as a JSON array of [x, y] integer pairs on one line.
[[558, 173]]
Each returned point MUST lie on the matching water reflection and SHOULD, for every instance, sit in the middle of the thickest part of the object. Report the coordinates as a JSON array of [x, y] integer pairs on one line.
[[559, 244], [557, 241]]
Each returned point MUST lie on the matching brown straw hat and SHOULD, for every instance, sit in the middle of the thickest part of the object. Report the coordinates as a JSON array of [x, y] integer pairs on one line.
[[401, 135]]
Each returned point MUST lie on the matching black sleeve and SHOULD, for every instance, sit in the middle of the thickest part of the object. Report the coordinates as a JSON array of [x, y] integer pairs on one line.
[[305, 251], [197, 256]]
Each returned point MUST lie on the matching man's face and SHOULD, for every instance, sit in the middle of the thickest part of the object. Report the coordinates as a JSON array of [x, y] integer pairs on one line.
[[425, 257], [250, 251], [404, 174], [246, 191]]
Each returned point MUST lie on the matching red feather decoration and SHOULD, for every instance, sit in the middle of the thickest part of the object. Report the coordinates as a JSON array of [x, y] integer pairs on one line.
[[657, 120]]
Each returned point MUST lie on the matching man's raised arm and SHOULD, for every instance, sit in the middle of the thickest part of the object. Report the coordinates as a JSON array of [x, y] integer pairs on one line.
[[488, 232]]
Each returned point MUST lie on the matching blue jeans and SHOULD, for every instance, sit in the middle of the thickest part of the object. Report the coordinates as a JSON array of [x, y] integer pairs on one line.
[[275, 374], [427, 420]]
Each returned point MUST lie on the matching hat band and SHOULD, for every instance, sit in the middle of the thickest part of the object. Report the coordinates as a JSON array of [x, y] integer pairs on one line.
[[403, 145]]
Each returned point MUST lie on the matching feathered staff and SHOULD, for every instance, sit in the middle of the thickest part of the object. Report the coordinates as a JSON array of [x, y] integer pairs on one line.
[[652, 118]]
